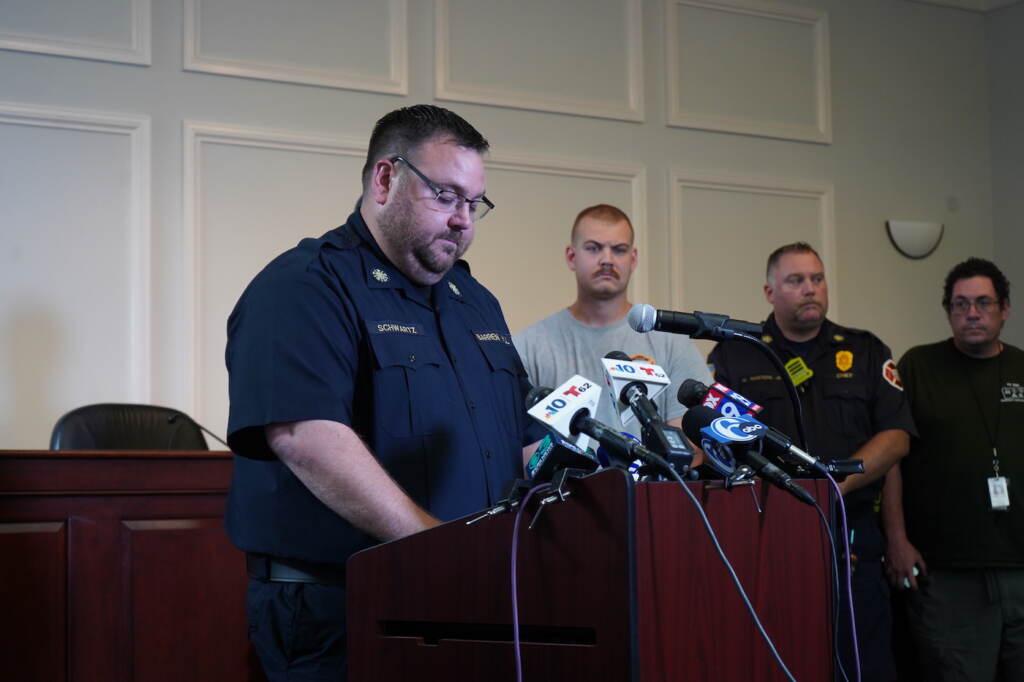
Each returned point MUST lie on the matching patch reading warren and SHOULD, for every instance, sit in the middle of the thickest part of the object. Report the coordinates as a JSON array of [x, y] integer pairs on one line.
[[891, 374], [493, 337], [390, 327]]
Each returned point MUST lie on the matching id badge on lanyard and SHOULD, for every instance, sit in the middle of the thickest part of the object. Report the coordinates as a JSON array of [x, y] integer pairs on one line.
[[998, 486]]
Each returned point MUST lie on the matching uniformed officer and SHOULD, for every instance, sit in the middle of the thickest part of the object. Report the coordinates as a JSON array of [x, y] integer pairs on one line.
[[375, 391], [853, 406]]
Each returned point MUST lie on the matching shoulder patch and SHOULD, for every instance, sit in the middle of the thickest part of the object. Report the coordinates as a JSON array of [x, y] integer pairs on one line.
[[345, 237], [891, 374]]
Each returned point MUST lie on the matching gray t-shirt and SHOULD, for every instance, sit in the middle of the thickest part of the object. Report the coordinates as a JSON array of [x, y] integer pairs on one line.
[[560, 346]]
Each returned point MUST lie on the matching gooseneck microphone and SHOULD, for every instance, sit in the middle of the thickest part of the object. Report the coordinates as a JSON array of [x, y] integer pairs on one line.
[[739, 435], [645, 318]]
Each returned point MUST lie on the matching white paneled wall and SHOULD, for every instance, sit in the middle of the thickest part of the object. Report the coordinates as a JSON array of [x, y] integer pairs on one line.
[[154, 155]]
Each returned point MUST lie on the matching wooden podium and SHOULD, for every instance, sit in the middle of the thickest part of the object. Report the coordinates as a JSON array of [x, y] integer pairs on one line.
[[619, 581], [115, 566]]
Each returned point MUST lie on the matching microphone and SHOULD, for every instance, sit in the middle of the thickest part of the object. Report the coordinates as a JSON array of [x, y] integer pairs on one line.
[[663, 439], [729, 403], [554, 454], [174, 418], [555, 407], [719, 397], [736, 436], [568, 414], [644, 318]]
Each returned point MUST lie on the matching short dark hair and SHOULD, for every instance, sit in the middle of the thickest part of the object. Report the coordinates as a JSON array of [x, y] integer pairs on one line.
[[795, 247], [604, 212], [976, 267], [403, 130]]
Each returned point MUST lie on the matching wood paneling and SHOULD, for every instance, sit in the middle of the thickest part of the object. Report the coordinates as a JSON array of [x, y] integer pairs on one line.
[[117, 567]]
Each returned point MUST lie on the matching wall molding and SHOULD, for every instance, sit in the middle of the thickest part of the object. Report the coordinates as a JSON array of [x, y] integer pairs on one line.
[[195, 135], [820, 132], [396, 83], [137, 129], [632, 110], [822, 193], [982, 6], [138, 50]]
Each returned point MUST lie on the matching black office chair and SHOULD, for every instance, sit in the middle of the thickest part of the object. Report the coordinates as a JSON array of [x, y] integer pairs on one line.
[[126, 426]]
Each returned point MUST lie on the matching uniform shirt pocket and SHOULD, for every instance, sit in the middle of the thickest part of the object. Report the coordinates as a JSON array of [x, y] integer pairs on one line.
[[848, 410], [409, 383], [500, 354]]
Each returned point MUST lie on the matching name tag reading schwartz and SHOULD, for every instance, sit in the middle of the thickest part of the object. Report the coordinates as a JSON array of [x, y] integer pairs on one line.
[[999, 492], [391, 327]]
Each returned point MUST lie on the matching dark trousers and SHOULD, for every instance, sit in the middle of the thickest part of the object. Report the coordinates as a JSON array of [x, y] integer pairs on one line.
[[298, 630], [969, 625], [873, 612]]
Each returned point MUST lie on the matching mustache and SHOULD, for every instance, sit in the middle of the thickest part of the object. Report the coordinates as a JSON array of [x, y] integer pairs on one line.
[[607, 271]]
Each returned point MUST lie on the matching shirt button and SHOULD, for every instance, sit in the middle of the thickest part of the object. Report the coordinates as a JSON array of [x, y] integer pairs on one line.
[[472, 405], [412, 358], [487, 453]]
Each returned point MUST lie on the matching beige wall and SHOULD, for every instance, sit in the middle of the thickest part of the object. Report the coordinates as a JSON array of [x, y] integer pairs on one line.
[[158, 152], [1005, 39]]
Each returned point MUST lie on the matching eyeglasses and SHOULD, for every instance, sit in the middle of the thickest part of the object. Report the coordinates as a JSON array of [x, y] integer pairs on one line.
[[447, 201], [962, 306]]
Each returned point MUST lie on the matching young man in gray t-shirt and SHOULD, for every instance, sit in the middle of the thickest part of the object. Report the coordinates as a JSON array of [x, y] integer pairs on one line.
[[573, 340]]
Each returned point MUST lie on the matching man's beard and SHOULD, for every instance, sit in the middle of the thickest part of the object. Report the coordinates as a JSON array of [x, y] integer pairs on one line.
[[808, 324], [398, 224]]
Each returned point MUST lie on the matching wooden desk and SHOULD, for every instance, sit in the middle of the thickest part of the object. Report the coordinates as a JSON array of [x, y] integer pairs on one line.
[[115, 566]]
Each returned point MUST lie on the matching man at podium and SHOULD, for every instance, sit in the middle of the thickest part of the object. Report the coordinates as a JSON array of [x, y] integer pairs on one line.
[[375, 391]]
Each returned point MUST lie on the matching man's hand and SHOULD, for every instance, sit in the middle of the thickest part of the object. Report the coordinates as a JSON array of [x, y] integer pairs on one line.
[[901, 558]]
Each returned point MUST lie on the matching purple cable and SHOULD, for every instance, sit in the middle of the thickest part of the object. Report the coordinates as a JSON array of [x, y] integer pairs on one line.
[[515, 590], [849, 584]]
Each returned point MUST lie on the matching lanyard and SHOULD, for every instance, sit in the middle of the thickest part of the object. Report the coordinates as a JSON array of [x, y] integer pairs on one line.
[[992, 435]]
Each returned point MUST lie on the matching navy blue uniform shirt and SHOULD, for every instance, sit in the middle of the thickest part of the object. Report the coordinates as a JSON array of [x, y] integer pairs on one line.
[[427, 376], [855, 393]]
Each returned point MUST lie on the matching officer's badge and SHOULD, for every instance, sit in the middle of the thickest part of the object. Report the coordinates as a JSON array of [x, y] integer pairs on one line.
[[455, 289], [844, 360], [891, 374], [380, 275]]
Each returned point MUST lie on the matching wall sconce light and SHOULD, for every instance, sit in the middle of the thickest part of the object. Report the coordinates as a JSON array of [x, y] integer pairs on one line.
[[915, 238]]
